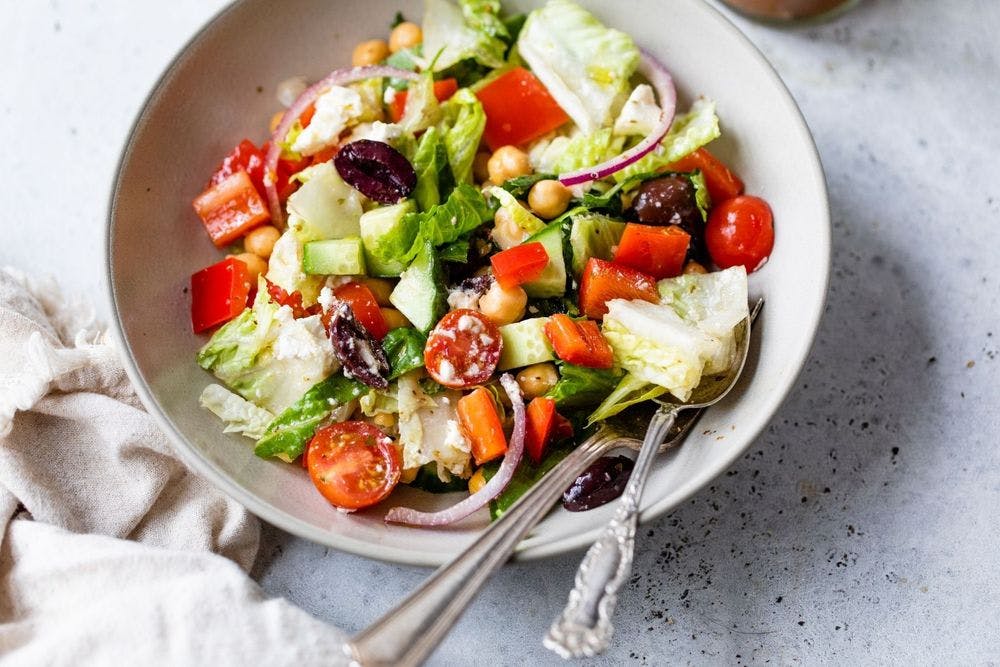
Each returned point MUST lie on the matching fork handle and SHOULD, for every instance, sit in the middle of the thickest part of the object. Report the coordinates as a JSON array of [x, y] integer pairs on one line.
[[584, 628], [408, 634]]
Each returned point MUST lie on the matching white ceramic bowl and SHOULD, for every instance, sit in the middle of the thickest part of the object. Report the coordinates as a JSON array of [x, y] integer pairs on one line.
[[220, 89]]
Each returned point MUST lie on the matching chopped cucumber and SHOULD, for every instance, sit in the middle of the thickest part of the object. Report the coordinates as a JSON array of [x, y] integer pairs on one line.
[[525, 343], [593, 235], [420, 294], [334, 257], [376, 226], [552, 282], [325, 207]]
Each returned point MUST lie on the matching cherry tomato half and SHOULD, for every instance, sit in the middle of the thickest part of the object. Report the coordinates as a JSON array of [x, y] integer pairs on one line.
[[740, 232], [463, 349], [353, 464]]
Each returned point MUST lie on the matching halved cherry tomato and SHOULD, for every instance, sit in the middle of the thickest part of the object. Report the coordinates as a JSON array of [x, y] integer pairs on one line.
[[602, 281], [245, 157], [478, 414], [579, 342], [353, 464], [740, 232], [293, 300], [518, 109], [365, 307], [654, 250], [520, 264], [722, 183], [219, 293], [463, 349], [443, 90], [231, 208]]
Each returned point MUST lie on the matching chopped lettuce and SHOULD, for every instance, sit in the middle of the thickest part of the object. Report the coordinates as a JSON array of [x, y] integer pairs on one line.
[[630, 391], [579, 386], [431, 164], [640, 114], [469, 30], [287, 435], [379, 402], [240, 415], [464, 211], [284, 267], [429, 430], [688, 133], [422, 108], [716, 302], [520, 186], [585, 66], [524, 218], [525, 476], [325, 207], [456, 251], [404, 348], [585, 150], [267, 356], [465, 120]]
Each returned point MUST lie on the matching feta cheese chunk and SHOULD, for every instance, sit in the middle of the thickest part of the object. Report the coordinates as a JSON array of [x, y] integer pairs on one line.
[[336, 110]]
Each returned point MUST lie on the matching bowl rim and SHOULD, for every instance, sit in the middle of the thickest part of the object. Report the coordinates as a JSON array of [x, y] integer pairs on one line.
[[200, 464]]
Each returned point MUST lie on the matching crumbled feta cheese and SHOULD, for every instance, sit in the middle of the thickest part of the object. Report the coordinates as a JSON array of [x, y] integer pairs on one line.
[[387, 133], [446, 371], [326, 298], [470, 324], [640, 114], [459, 299], [336, 110], [302, 338]]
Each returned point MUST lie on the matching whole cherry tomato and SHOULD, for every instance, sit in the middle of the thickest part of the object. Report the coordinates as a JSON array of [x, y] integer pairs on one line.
[[740, 232]]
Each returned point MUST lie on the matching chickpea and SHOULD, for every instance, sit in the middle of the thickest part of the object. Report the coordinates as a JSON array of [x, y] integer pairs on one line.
[[477, 481], [480, 168], [380, 288], [371, 52], [694, 267], [537, 379], [275, 121], [506, 232], [507, 162], [260, 241], [406, 35], [549, 198], [255, 265], [394, 319], [503, 306], [385, 421]]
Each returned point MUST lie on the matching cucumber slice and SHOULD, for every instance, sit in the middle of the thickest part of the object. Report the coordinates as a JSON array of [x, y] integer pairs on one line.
[[525, 343], [334, 257], [593, 235], [552, 282], [378, 225], [420, 293]]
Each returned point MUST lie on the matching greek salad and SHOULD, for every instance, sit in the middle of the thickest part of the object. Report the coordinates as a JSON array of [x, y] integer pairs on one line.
[[452, 258]]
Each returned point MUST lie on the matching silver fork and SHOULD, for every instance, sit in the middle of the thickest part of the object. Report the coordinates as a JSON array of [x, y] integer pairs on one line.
[[409, 633]]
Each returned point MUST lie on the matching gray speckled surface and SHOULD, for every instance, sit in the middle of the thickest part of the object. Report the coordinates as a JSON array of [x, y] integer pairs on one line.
[[861, 527]]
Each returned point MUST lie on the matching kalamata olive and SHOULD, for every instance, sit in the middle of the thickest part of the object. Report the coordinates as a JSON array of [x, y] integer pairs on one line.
[[361, 355], [601, 483], [671, 201], [376, 170]]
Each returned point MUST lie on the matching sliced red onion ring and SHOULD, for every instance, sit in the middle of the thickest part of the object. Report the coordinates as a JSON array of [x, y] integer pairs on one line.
[[492, 489], [663, 84], [339, 77]]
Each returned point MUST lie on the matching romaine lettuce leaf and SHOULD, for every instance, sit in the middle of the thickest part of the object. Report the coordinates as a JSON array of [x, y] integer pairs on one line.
[[630, 390], [284, 267], [325, 207], [431, 164], [585, 66], [640, 115], [422, 108], [687, 134], [524, 218], [472, 29], [579, 386], [464, 211], [241, 416], [404, 348], [587, 150], [465, 121]]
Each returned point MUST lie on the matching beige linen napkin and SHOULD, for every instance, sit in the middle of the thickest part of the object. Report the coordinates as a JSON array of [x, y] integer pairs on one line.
[[111, 550]]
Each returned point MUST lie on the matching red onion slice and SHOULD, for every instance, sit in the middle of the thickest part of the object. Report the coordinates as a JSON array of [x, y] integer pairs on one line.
[[492, 489], [663, 84], [339, 77]]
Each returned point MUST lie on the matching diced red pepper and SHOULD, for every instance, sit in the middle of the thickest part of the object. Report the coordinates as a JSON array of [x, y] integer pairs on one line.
[[520, 264], [219, 293], [518, 109], [540, 421], [292, 300], [231, 208], [602, 281], [657, 251], [562, 430], [479, 418], [579, 342], [722, 183], [443, 90], [324, 155], [245, 157], [365, 307]]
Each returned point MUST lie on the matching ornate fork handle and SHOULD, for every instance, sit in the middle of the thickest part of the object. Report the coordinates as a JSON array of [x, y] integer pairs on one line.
[[584, 628]]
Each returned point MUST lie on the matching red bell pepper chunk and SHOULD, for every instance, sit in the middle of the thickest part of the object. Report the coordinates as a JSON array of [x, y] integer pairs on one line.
[[579, 342], [562, 429], [245, 157], [602, 281], [518, 109], [365, 308], [540, 423], [520, 264], [219, 293], [479, 418], [657, 251], [443, 90], [231, 208], [722, 183]]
